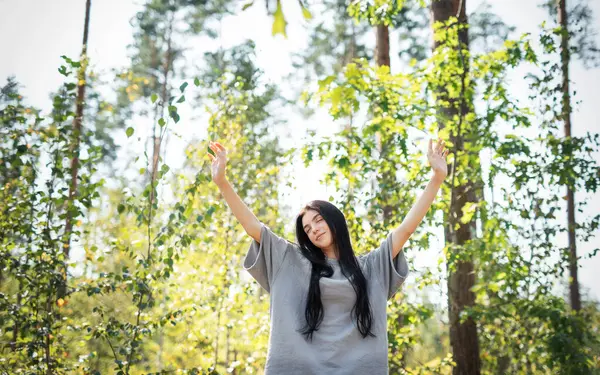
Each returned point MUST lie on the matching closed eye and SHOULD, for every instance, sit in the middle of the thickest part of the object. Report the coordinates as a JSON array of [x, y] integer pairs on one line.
[[307, 228]]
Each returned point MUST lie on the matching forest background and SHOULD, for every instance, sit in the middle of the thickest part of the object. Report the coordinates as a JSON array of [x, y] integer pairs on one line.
[[136, 267]]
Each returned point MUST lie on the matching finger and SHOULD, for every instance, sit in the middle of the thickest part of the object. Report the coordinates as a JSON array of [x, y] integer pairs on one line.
[[212, 158], [438, 146], [429, 146], [215, 149], [220, 146]]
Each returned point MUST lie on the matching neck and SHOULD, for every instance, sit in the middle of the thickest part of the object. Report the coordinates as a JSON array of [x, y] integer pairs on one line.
[[330, 253]]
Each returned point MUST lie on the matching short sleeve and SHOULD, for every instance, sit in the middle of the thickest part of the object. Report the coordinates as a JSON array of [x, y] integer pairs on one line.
[[264, 259], [391, 273]]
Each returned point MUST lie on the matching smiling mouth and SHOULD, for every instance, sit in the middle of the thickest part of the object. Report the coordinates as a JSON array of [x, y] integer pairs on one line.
[[320, 235]]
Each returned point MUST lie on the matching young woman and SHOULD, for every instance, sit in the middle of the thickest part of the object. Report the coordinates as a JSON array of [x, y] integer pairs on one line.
[[328, 306]]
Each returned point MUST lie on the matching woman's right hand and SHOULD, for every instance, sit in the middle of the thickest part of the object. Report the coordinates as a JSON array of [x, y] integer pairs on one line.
[[219, 161]]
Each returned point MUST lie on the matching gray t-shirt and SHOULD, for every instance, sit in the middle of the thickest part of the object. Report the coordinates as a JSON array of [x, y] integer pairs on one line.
[[337, 347]]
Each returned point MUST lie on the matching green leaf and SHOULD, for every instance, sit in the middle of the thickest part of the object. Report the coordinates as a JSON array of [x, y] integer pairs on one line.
[[120, 208], [153, 98], [494, 287], [323, 83], [343, 162], [279, 22], [63, 70], [197, 81], [336, 96], [306, 13], [183, 86], [248, 5], [161, 121], [210, 151], [129, 132], [182, 99]]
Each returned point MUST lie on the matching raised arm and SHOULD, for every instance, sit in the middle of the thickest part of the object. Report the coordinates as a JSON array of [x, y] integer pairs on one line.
[[251, 224], [437, 159]]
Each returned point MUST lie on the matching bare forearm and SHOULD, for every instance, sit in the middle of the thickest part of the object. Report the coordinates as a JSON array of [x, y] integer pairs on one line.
[[420, 208], [437, 160], [251, 224]]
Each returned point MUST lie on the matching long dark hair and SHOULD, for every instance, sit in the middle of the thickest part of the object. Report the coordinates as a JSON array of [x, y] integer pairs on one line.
[[348, 263]]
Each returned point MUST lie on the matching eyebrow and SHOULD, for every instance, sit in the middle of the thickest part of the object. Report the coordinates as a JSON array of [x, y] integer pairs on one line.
[[313, 219]]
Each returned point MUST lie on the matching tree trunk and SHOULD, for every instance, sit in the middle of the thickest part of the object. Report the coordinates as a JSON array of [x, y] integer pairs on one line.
[[156, 148], [565, 58], [463, 336], [382, 49], [382, 55], [157, 138], [77, 128], [349, 56]]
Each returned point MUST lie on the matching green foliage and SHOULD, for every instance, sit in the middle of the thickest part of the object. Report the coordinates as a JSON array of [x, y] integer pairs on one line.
[[101, 119], [582, 33], [400, 104], [377, 12], [279, 22], [487, 31], [155, 285], [33, 252], [334, 40]]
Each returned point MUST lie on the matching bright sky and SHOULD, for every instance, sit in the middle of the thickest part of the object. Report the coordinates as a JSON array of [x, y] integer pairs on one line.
[[35, 33]]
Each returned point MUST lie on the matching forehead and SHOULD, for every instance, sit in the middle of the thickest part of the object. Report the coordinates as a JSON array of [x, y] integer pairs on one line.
[[309, 216]]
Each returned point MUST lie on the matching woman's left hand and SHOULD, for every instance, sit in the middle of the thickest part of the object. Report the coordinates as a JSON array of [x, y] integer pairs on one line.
[[436, 154]]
